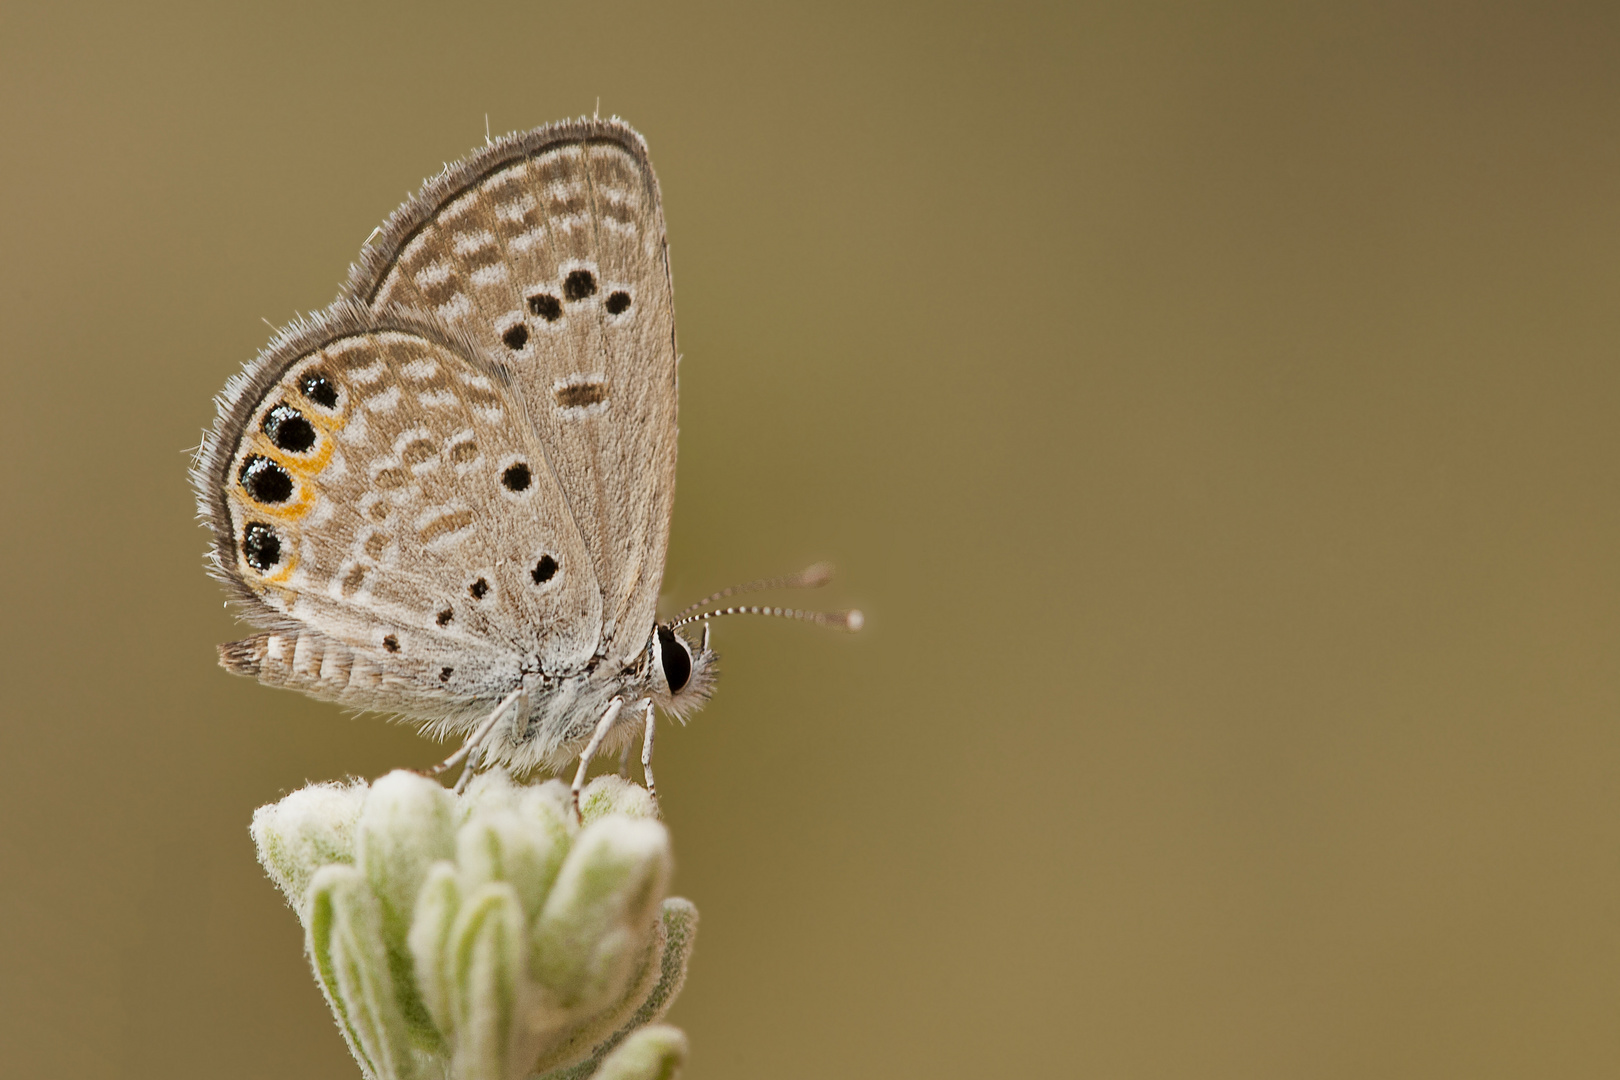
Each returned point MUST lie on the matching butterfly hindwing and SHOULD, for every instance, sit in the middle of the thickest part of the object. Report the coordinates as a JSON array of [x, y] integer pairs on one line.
[[372, 483], [547, 252]]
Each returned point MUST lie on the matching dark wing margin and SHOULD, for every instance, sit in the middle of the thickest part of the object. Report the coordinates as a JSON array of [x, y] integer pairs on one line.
[[383, 250]]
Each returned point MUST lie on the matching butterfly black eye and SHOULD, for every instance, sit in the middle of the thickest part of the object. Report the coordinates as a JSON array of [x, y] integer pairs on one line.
[[618, 303], [261, 547], [579, 284], [319, 389], [676, 658], [288, 429], [266, 481], [479, 589], [544, 570], [516, 337]]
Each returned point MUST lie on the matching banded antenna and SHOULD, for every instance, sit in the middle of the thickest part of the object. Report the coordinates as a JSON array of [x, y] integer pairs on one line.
[[811, 577]]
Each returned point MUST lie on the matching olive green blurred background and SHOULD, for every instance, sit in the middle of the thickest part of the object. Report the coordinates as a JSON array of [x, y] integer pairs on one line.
[[1213, 406]]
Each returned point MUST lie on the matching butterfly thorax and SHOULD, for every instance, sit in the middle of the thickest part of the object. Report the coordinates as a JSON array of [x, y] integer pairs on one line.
[[669, 673]]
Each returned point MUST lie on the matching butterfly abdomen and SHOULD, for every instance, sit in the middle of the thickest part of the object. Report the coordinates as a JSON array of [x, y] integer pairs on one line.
[[304, 661]]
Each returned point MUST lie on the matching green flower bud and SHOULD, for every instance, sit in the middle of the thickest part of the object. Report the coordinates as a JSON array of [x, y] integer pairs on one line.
[[526, 850], [486, 981], [615, 795], [307, 830], [653, 1053], [345, 944], [405, 826], [429, 940], [658, 979], [598, 918]]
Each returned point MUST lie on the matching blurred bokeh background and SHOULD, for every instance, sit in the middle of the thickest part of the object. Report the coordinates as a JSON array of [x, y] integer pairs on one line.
[[1213, 406]]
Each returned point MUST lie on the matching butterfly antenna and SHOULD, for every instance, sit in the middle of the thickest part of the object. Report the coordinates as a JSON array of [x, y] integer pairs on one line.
[[850, 620], [811, 577]]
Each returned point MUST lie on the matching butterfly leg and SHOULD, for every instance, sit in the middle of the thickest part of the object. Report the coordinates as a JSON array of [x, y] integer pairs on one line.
[[468, 770], [517, 703], [475, 741], [624, 760], [603, 726], [646, 752]]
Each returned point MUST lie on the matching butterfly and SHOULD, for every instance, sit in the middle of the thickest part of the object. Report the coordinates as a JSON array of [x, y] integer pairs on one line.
[[447, 496]]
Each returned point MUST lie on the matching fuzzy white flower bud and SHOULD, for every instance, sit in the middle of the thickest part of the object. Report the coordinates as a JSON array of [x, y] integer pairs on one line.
[[486, 936]]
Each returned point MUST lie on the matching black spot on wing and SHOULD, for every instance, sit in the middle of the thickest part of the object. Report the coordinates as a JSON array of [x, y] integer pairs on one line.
[[265, 481], [261, 547], [579, 284], [516, 477], [288, 429], [546, 306], [318, 388]]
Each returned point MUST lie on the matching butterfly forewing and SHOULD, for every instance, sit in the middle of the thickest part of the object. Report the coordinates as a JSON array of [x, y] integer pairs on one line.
[[383, 489], [547, 252]]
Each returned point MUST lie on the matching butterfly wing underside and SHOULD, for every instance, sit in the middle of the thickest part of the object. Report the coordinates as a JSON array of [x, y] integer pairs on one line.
[[547, 252], [380, 501]]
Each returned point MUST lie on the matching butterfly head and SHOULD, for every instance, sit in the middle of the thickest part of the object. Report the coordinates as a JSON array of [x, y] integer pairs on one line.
[[682, 676]]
